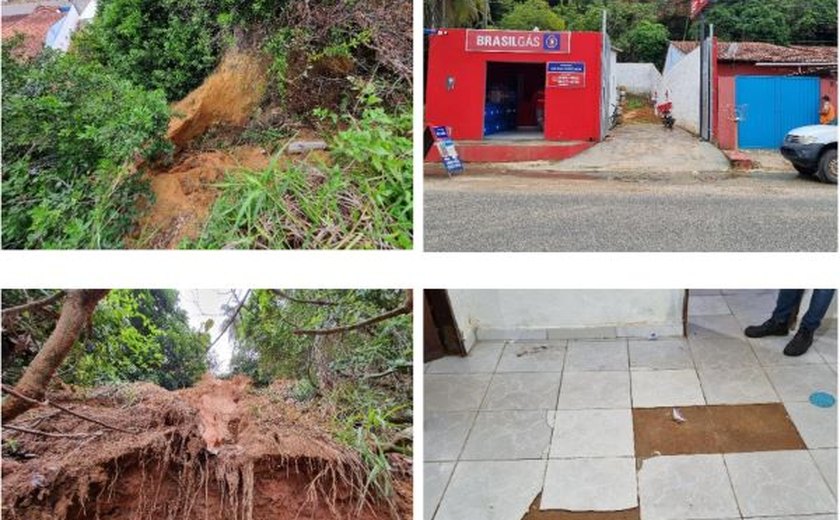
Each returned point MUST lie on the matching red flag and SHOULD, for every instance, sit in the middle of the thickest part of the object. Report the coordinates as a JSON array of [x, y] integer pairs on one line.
[[697, 6]]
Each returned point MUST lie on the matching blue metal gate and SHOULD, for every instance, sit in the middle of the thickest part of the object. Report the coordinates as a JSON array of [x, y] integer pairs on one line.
[[770, 106]]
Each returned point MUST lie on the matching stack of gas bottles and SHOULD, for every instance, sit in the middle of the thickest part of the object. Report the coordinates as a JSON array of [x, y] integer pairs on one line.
[[499, 110]]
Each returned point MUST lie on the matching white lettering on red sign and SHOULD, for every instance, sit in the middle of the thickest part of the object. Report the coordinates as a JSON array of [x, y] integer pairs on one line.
[[487, 40]]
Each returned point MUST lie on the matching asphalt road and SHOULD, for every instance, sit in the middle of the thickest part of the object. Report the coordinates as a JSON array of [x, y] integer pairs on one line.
[[763, 212]]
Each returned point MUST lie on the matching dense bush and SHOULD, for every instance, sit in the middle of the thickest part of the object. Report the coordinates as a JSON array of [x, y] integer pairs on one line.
[[71, 132]]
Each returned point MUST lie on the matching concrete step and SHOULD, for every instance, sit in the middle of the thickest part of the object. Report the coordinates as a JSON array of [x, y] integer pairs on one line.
[[739, 160], [499, 151]]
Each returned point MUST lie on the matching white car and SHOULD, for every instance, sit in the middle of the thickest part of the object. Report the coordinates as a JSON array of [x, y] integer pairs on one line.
[[813, 151]]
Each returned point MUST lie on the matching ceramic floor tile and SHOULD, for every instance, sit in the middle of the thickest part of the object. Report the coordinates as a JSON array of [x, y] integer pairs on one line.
[[483, 357], [826, 460], [542, 356], [592, 433], [491, 490], [685, 486], [435, 477], [715, 326], [523, 391], [597, 355], [444, 434], [707, 305], [720, 352], [826, 346], [736, 385], [817, 426], [607, 484], [778, 483], [509, 435], [582, 390], [705, 292], [654, 388], [663, 354], [770, 352], [798, 383], [794, 517], [453, 392]]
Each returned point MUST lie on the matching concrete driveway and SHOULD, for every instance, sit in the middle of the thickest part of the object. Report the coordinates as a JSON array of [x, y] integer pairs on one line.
[[642, 147]]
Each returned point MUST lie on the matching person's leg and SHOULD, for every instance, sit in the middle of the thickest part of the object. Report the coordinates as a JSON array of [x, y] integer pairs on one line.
[[786, 303], [804, 337], [820, 301]]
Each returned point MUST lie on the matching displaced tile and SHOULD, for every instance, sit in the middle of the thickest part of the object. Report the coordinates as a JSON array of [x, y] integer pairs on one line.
[[826, 460], [663, 354], [778, 483], [581, 390], [592, 433], [799, 382], [685, 486], [435, 477], [715, 326], [770, 352], [597, 355], [736, 385], [721, 352], [714, 429], [542, 356], [652, 388], [444, 434], [603, 484], [482, 358], [817, 426], [491, 490], [523, 391], [509, 435], [707, 305], [452, 392]]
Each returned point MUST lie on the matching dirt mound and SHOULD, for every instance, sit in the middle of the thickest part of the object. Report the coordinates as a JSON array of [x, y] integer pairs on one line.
[[217, 450], [227, 97], [184, 194]]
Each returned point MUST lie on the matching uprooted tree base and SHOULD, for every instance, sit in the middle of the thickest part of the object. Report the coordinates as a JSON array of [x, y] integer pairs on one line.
[[212, 451]]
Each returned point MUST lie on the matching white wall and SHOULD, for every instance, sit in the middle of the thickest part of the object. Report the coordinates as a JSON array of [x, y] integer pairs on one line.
[[683, 84], [638, 78], [549, 314], [68, 26], [672, 58]]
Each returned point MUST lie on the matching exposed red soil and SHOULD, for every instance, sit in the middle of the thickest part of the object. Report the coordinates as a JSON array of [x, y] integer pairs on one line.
[[185, 192], [218, 450], [534, 513]]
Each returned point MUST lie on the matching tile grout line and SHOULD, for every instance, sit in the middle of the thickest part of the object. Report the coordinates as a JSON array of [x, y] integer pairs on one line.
[[731, 485]]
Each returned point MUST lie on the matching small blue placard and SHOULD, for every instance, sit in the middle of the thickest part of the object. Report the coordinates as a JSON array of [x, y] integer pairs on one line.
[[822, 399], [566, 66], [440, 132]]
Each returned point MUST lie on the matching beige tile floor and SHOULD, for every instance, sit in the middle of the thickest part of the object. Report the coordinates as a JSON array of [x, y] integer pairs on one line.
[[515, 418]]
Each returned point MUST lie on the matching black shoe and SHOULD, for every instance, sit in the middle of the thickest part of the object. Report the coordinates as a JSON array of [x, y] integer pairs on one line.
[[768, 328], [800, 342]]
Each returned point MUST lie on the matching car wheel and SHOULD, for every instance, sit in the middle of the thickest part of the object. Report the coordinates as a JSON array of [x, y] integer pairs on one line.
[[805, 170], [828, 166]]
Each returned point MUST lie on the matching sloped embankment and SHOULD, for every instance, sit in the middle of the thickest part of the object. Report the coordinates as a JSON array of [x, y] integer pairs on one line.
[[213, 451], [185, 191]]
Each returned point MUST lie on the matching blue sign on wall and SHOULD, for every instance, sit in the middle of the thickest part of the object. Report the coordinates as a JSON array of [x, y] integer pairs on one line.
[[565, 66]]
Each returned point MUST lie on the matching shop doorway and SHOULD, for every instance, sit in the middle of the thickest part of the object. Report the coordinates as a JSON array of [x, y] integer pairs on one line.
[[514, 102]]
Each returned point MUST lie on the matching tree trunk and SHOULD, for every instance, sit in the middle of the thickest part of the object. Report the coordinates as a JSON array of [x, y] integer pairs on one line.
[[75, 313]]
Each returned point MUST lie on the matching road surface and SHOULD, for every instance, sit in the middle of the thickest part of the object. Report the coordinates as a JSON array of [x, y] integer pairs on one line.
[[633, 212]]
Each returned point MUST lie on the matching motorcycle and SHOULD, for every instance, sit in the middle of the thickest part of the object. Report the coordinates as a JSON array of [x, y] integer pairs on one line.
[[664, 112]]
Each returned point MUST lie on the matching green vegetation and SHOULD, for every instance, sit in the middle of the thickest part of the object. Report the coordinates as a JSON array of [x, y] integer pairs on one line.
[[360, 198], [71, 133], [134, 335], [642, 28], [363, 373]]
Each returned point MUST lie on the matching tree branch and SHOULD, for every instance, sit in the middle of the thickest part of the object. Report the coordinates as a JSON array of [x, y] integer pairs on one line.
[[230, 321], [47, 402], [285, 295], [14, 311], [50, 434], [405, 308]]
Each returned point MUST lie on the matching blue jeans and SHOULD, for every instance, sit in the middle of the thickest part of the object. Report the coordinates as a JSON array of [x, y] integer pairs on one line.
[[789, 299]]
